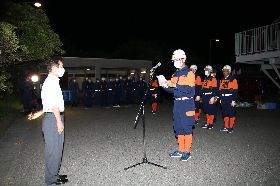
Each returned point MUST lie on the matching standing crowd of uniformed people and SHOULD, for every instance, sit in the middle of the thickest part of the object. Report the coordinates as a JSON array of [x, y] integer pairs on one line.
[[193, 96], [210, 92], [112, 92]]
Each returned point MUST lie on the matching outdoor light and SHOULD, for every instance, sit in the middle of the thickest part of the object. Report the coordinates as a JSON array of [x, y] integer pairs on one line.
[[37, 4], [217, 40], [88, 69], [143, 72], [34, 78], [132, 73]]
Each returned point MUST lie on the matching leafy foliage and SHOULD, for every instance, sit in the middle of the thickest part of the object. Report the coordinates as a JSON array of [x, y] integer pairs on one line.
[[35, 35], [9, 46], [25, 35]]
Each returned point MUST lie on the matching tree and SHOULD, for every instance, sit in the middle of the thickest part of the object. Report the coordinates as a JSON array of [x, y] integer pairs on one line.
[[25, 35], [9, 46], [39, 41]]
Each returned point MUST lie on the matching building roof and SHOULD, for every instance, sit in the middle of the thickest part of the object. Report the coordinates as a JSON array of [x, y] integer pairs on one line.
[[70, 62]]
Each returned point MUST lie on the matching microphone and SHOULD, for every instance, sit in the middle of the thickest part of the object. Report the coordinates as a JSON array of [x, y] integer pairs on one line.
[[154, 68]]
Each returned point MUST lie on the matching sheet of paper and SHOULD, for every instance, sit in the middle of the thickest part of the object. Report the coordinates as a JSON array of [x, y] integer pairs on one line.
[[162, 80]]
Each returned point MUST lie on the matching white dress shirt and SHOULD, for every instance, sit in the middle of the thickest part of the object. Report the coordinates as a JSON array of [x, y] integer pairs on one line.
[[51, 94]]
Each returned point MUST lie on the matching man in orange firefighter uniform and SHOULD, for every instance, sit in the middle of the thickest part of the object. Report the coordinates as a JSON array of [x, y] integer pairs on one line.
[[182, 85], [228, 91], [209, 95], [198, 104]]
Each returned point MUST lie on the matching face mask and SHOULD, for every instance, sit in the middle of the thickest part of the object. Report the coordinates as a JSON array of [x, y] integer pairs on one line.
[[74, 80], [177, 64], [60, 72], [206, 73], [97, 81], [117, 79]]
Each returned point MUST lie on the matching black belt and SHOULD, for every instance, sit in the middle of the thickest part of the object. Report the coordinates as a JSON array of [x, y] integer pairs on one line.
[[61, 113]]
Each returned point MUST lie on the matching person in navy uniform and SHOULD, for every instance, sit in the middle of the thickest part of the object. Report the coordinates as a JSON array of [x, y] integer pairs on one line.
[[90, 92], [84, 89], [209, 95], [198, 104], [228, 91], [97, 93], [104, 92], [141, 87], [214, 78], [117, 93], [182, 86], [74, 89], [110, 96], [129, 90], [123, 93], [26, 95]]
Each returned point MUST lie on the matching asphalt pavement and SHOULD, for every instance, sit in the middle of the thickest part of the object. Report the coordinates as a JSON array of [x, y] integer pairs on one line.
[[101, 142]]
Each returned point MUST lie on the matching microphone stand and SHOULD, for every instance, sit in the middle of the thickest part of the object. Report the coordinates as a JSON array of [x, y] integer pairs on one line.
[[141, 112]]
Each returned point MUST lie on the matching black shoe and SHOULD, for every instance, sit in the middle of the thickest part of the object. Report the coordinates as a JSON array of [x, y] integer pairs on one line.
[[205, 126], [209, 127], [60, 181], [62, 176], [230, 130]]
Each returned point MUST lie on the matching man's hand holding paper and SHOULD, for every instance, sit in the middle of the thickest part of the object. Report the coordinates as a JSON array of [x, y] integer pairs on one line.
[[162, 81]]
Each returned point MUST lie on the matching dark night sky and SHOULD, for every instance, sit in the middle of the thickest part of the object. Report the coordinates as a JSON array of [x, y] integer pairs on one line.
[[88, 25]]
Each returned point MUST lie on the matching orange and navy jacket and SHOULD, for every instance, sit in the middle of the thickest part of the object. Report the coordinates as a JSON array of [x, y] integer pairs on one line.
[[184, 80], [209, 85], [198, 84], [228, 86]]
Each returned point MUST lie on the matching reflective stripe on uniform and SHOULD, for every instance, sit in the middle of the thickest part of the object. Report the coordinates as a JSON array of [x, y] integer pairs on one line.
[[183, 98]]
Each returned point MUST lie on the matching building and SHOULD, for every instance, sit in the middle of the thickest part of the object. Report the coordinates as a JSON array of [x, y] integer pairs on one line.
[[95, 68], [261, 46]]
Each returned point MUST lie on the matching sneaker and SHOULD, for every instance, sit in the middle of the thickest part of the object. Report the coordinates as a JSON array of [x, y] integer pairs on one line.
[[196, 122], [230, 131], [209, 127], [185, 156], [224, 130], [205, 126], [176, 154]]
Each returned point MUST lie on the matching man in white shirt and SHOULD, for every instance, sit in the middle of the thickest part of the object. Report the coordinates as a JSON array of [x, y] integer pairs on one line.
[[53, 122]]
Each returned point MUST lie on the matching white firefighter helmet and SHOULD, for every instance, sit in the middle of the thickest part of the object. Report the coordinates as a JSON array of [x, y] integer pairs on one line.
[[193, 67], [208, 67], [227, 67], [178, 54]]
